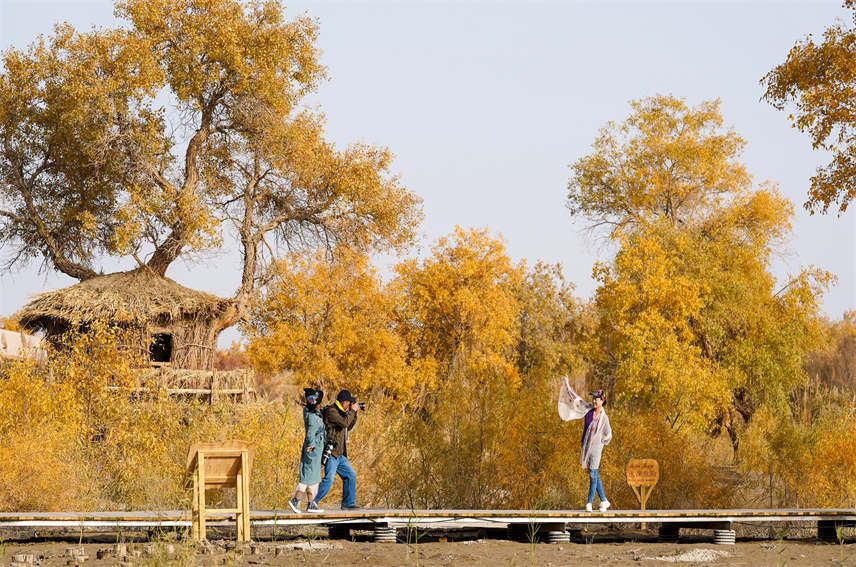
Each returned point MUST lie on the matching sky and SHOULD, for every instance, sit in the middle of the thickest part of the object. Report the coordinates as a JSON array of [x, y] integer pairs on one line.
[[486, 105]]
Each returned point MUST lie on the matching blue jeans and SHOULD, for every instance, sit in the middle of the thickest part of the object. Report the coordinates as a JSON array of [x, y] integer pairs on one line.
[[595, 484], [340, 466]]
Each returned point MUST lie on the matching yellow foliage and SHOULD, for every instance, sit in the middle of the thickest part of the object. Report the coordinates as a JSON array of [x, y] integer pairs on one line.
[[803, 463], [666, 160], [691, 324], [817, 78], [140, 461], [483, 434], [649, 302], [492, 334], [505, 448], [10, 323], [40, 431], [832, 362], [552, 324], [457, 310], [66, 442], [119, 180], [330, 323], [692, 473]]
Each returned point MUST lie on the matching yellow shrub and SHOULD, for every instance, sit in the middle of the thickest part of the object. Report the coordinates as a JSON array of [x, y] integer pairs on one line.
[[691, 475], [40, 430], [142, 457], [66, 442], [802, 464]]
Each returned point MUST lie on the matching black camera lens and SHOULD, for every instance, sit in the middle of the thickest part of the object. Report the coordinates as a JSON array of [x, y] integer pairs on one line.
[[328, 451]]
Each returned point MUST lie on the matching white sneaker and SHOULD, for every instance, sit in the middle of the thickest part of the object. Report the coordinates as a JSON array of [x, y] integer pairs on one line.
[[588, 507], [293, 504], [313, 507], [604, 504]]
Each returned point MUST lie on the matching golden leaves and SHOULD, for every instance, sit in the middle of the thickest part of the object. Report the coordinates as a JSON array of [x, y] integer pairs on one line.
[[802, 463], [334, 323], [458, 307], [818, 78], [101, 120], [667, 159], [329, 324], [209, 47], [689, 315]]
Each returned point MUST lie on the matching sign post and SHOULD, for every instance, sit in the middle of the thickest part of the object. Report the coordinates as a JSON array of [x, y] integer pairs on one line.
[[642, 476]]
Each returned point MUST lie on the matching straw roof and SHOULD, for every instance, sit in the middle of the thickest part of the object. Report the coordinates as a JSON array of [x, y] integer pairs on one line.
[[138, 296]]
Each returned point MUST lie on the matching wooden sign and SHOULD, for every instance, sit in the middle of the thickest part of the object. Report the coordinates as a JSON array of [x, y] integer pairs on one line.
[[642, 476], [642, 473]]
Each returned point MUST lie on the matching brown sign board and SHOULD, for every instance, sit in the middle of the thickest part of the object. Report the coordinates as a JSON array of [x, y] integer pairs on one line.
[[642, 472]]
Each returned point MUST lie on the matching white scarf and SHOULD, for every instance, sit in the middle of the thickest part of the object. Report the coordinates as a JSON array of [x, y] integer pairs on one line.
[[571, 406]]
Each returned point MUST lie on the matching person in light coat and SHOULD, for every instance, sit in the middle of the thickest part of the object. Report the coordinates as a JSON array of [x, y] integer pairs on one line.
[[310, 455], [597, 433]]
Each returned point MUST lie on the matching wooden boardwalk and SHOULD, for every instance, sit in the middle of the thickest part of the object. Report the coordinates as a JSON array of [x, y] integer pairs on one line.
[[384, 521]]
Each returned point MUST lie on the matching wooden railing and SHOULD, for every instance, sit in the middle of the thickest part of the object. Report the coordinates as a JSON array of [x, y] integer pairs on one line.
[[208, 384]]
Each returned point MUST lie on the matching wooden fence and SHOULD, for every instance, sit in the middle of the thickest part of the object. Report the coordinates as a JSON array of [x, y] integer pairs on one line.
[[207, 384]]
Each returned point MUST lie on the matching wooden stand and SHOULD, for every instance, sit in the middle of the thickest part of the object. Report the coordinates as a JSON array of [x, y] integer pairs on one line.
[[226, 464], [642, 493], [642, 476]]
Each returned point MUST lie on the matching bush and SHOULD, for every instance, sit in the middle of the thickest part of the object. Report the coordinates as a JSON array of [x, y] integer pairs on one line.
[[40, 432], [68, 442], [802, 464]]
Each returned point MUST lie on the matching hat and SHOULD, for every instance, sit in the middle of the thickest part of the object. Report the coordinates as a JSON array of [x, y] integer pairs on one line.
[[313, 396], [598, 394], [345, 396]]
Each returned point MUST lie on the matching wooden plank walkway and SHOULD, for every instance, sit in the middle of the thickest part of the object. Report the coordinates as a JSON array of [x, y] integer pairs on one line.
[[410, 517]]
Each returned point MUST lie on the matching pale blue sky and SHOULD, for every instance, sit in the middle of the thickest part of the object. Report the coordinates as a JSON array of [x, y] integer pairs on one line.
[[486, 104]]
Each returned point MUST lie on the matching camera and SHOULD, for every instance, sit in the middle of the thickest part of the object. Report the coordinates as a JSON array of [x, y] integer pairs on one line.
[[362, 405], [328, 451]]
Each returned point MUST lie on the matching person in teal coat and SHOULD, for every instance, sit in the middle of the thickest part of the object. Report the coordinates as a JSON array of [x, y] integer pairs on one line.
[[310, 455]]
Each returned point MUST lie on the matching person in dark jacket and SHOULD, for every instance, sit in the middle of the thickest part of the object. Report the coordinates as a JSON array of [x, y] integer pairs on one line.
[[340, 417]]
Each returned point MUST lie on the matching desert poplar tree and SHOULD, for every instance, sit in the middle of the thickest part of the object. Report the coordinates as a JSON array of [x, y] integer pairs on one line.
[[693, 324], [178, 130]]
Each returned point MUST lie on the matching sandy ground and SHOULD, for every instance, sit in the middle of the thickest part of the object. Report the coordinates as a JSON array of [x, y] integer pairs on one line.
[[475, 552]]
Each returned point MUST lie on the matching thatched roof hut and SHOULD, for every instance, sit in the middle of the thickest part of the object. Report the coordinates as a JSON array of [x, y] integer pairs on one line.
[[177, 324]]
